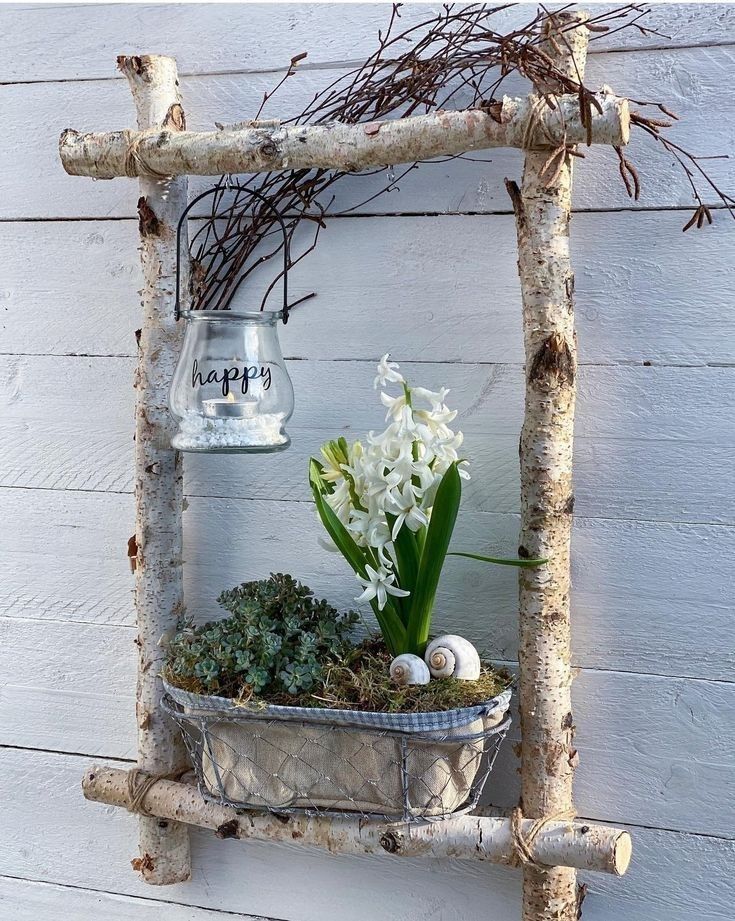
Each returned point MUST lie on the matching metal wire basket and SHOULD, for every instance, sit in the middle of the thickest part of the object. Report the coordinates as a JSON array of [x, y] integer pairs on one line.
[[396, 766]]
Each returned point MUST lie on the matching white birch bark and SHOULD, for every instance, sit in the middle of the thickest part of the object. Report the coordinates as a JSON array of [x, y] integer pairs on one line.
[[164, 845], [254, 147], [588, 847], [548, 756]]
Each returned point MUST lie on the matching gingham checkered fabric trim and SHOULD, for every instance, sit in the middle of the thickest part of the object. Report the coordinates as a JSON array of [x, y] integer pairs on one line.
[[404, 722]]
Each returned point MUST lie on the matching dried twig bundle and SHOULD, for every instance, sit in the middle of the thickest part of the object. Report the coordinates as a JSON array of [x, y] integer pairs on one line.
[[453, 57]]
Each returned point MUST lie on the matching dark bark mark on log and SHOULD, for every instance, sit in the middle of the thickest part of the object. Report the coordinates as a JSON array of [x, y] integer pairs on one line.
[[133, 552], [135, 62], [229, 829], [143, 864], [556, 753], [494, 109], [390, 842], [148, 223], [569, 505], [581, 896], [175, 118], [517, 201], [268, 148], [553, 364]]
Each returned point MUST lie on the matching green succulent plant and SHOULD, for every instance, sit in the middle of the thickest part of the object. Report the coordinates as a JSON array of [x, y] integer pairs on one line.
[[278, 638]]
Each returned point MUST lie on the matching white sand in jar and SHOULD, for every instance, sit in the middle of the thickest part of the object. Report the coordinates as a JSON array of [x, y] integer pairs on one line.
[[201, 433]]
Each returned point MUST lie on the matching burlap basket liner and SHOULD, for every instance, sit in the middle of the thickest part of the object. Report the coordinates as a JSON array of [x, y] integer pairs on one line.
[[335, 760]]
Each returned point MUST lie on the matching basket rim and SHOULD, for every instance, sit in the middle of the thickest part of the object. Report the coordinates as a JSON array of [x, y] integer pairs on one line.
[[418, 722]]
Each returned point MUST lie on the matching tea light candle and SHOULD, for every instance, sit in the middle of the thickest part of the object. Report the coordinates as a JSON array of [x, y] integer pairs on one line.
[[229, 408]]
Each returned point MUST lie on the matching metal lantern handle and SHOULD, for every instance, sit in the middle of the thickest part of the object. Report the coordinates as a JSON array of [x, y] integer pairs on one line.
[[279, 218]]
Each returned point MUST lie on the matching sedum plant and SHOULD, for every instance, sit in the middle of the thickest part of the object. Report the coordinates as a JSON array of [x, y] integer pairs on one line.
[[390, 506], [278, 638]]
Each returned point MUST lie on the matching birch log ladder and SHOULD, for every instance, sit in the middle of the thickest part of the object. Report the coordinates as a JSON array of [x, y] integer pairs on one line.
[[543, 210], [159, 490], [542, 834]]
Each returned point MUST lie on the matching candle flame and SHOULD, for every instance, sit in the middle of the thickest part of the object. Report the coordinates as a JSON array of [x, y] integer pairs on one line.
[[230, 397]]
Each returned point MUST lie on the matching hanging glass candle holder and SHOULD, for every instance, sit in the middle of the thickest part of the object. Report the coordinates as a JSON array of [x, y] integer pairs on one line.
[[231, 392]]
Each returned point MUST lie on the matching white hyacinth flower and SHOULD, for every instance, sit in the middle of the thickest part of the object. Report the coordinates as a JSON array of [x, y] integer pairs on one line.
[[339, 501], [436, 419], [435, 398], [395, 405], [379, 584], [380, 485], [403, 506], [394, 474], [388, 373], [403, 466]]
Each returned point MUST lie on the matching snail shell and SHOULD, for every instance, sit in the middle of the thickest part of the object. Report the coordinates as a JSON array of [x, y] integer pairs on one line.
[[453, 656], [408, 669]]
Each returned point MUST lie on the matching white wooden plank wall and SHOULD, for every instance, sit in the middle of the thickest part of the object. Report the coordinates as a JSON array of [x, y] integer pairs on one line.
[[428, 272]]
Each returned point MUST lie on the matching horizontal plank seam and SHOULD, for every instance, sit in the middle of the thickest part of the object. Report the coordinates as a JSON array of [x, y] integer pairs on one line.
[[7, 746], [632, 827], [308, 501], [652, 365], [10, 619], [597, 669], [134, 898], [341, 65], [580, 667], [589, 818], [363, 215], [504, 663]]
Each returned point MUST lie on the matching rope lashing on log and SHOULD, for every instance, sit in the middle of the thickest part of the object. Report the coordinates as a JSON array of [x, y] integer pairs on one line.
[[536, 124], [523, 841], [140, 784], [135, 165]]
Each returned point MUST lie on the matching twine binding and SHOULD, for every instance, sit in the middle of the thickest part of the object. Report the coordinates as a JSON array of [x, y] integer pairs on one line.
[[140, 784], [535, 122], [135, 165], [523, 843]]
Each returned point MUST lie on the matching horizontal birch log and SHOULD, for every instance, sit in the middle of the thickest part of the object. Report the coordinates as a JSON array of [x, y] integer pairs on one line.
[[261, 146], [559, 843]]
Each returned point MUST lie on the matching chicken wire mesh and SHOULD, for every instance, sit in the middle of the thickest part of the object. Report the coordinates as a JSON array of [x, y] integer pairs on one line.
[[400, 767]]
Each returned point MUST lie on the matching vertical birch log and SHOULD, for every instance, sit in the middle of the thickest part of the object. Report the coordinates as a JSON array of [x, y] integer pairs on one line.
[[542, 208], [164, 845]]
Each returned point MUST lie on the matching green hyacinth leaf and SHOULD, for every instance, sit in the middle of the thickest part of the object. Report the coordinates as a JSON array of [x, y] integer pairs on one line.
[[500, 561], [436, 544]]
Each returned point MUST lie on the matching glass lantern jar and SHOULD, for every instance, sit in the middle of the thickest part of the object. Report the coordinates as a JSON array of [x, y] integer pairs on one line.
[[231, 392]]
